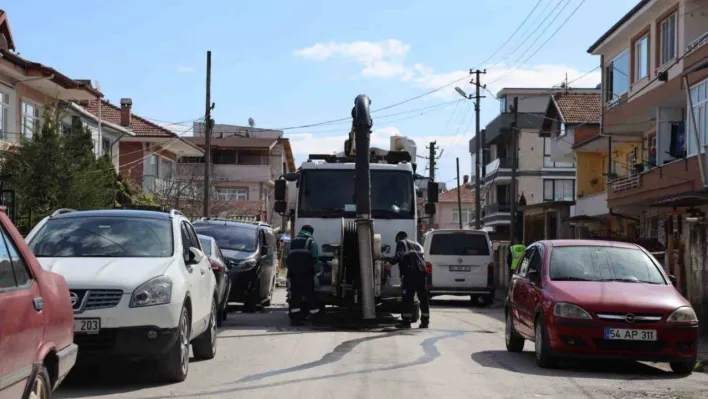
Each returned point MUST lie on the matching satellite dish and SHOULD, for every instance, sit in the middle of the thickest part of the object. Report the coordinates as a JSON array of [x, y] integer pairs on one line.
[[251, 122]]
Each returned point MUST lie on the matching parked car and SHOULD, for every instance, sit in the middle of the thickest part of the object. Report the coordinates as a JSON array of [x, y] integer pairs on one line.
[[251, 255], [221, 272], [579, 298], [37, 347], [460, 262], [140, 285]]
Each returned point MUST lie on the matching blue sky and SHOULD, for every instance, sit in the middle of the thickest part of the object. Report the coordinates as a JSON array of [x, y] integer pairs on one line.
[[292, 63]]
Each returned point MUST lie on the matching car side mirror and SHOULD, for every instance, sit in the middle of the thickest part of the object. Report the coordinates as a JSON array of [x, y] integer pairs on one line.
[[533, 276], [194, 256], [673, 280], [280, 190]]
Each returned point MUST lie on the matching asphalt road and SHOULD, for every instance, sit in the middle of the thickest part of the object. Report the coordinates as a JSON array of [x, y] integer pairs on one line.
[[462, 355]]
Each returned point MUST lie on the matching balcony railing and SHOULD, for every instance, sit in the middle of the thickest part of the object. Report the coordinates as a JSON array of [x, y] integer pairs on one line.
[[499, 163], [497, 208], [154, 184], [626, 183], [700, 41]]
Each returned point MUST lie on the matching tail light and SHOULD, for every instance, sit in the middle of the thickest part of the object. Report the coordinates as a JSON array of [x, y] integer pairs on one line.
[[490, 275], [215, 266], [429, 267]]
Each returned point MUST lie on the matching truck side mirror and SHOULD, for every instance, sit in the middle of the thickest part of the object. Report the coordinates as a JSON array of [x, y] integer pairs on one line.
[[433, 191], [280, 207], [291, 176], [280, 190], [430, 208], [418, 193]]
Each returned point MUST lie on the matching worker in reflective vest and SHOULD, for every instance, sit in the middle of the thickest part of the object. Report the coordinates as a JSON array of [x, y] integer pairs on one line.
[[303, 267], [515, 252]]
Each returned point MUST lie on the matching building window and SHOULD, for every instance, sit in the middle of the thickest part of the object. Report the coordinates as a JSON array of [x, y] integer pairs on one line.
[[699, 97], [617, 76], [547, 161], [232, 194], [641, 58], [466, 216], [559, 190], [166, 168], [30, 119], [105, 146], [4, 115], [502, 105], [667, 43]]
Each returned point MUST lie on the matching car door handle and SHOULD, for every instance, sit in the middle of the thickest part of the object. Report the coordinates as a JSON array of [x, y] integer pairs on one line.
[[38, 303], [202, 271]]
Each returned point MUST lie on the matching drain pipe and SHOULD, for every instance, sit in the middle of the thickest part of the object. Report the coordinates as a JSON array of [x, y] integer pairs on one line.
[[362, 134]]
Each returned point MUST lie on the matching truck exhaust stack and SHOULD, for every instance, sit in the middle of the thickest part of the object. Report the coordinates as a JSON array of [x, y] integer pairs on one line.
[[361, 124]]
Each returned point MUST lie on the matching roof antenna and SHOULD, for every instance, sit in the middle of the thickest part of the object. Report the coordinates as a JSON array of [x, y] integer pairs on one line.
[[566, 82]]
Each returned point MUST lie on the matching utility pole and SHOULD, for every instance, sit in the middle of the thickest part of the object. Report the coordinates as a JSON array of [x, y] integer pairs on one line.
[[478, 151], [431, 159], [459, 194], [514, 167], [207, 139]]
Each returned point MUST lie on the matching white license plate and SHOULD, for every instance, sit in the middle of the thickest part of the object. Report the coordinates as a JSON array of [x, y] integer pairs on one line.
[[87, 326], [622, 334], [460, 268]]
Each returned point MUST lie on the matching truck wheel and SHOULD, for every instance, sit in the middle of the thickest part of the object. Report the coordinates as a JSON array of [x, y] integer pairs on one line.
[[416, 313]]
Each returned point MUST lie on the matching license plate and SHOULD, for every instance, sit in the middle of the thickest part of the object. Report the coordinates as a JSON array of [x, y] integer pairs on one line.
[[460, 268], [87, 326], [630, 335]]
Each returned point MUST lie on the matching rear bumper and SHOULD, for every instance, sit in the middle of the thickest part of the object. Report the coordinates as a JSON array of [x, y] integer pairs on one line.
[[67, 360], [586, 340]]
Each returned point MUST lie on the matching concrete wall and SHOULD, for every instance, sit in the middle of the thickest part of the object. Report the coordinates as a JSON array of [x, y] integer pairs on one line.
[[130, 166], [696, 270], [530, 150], [444, 214], [590, 168]]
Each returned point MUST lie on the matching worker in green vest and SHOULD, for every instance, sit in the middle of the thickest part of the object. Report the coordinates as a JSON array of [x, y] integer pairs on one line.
[[515, 252]]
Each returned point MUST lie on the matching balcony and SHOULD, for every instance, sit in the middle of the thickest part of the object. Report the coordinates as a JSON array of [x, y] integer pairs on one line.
[[499, 170], [497, 208], [592, 205], [224, 172], [496, 214]]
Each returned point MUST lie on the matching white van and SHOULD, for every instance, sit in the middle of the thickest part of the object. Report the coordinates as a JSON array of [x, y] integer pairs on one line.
[[460, 263]]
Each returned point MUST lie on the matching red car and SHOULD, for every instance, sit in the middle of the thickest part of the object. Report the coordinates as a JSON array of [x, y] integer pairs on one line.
[[584, 298], [37, 347]]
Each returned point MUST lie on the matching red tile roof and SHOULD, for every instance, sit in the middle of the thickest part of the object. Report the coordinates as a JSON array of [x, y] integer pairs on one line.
[[579, 107], [140, 126], [466, 195]]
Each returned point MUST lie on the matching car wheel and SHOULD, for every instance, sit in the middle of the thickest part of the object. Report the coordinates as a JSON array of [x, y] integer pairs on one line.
[[514, 341], [544, 359], [175, 366], [204, 347], [42, 385], [683, 367]]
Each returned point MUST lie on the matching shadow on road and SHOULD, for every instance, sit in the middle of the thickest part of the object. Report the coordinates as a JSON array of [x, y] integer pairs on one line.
[[525, 363]]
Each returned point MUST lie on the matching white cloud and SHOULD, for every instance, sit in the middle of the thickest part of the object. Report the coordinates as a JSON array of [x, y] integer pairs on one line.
[[186, 69], [385, 60]]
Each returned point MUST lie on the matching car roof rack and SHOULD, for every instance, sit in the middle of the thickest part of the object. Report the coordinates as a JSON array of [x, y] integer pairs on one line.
[[62, 211]]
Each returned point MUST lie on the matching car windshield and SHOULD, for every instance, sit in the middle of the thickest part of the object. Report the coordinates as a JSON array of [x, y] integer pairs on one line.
[[230, 237], [104, 237], [206, 245], [330, 194], [599, 263]]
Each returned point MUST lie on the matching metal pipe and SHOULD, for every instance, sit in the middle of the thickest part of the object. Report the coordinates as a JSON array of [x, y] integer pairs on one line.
[[361, 124]]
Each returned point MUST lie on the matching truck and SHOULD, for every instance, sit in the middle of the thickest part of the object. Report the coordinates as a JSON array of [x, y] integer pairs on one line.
[[356, 201]]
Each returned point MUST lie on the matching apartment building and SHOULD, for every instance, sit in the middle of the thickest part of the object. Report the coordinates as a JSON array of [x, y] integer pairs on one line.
[[540, 179], [246, 161], [654, 82]]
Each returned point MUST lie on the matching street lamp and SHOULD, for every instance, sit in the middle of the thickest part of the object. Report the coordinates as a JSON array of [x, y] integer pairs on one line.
[[462, 93], [478, 152]]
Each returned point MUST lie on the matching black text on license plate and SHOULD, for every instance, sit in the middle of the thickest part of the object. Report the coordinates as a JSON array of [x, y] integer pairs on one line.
[[630, 335], [460, 268], [87, 326]]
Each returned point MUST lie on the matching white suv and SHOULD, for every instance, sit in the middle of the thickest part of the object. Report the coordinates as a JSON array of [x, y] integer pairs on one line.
[[139, 282]]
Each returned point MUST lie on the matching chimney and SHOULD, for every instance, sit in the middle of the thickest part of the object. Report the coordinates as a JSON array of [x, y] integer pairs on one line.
[[465, 179], [126, 104]]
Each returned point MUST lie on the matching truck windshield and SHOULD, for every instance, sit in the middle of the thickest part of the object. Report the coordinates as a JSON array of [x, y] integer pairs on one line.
[[330, 194]]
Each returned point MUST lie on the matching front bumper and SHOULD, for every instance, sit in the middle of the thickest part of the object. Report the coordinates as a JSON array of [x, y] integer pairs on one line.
[[242, 282], [586, 339], [142, 342]]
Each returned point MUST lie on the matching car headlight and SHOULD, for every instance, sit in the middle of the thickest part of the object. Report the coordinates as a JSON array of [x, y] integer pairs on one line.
[[570, 311], [157, 291], [246, 265], [684, 314]]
